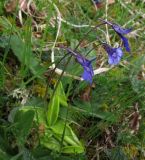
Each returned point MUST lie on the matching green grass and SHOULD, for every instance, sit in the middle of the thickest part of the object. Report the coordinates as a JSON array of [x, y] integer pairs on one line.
[[42, 114]]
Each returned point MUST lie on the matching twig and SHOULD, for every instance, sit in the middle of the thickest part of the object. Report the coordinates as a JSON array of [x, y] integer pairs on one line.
[[57, 34], [94, 5], [75, 25], [96, 71], [106, 15], [20, 17], [59, 72], [101, 70]]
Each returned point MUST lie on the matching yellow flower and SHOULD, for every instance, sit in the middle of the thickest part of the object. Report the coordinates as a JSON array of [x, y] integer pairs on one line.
[[131, 151], [39, 90]]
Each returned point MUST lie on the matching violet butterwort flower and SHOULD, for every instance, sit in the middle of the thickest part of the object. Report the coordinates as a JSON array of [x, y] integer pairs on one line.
[[97, 1], [120, 31], [114, 54], [85, 63]]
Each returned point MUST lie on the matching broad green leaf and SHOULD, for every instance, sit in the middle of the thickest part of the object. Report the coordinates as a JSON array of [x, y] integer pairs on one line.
[[12, 114], [23, 122], [19, 49], [24, 54], [60, 93], [73, 149], [51, 143], [39, 116], [54, 105], [69, 135], [53, 110]]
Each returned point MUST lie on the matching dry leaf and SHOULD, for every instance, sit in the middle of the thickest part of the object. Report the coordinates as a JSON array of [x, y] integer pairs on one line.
[[85, 96], [23, 5], [41, 129], [108, 138], [11, 6], [101, 4], [111, 1], [135, 120]]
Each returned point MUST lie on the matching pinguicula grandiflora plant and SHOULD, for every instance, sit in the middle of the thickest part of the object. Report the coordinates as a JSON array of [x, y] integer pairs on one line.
[[120, 31], [54, 131], [58, 134], [114, 54], [70, 89], [85, 63]]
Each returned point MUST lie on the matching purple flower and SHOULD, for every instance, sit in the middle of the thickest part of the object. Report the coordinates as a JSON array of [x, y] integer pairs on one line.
[[120, 31], [85, 63], [114, 54], [97, 1]]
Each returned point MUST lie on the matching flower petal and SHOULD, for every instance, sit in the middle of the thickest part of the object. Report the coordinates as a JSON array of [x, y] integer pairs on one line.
[[88, 74], [125, 42], [80, 59], [117, 28], [114, 54], [85, 63], [113, 60], [119, 52], [110, 60], [121, 30]]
